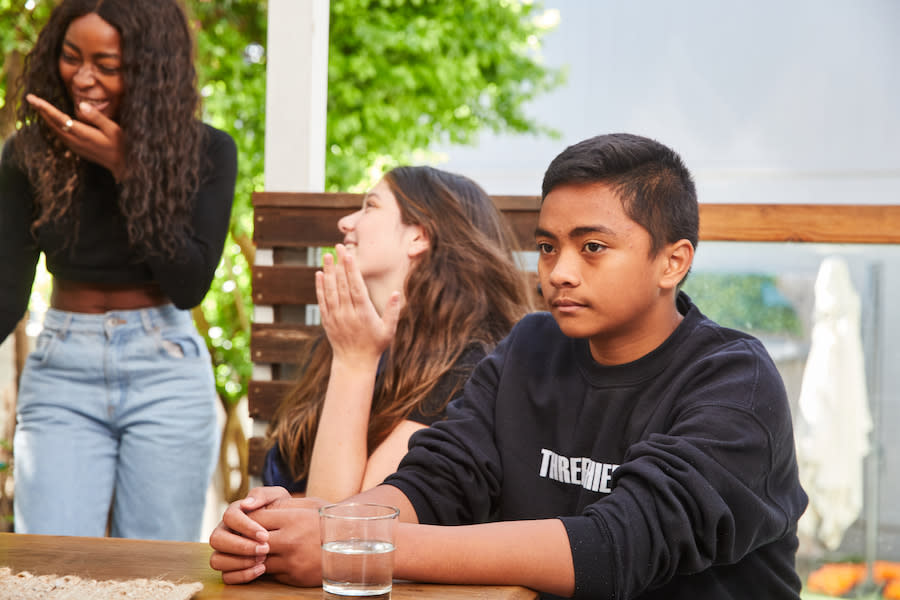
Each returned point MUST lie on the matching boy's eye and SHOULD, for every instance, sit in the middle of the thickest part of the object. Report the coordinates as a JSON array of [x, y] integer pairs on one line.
[[593, 247], [544, 247]]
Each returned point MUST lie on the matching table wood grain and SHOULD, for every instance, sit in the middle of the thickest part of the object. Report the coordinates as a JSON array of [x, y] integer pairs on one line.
[[184, 562]]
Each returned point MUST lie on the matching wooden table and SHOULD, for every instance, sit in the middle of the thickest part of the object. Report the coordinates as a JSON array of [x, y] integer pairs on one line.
[[183, 562]]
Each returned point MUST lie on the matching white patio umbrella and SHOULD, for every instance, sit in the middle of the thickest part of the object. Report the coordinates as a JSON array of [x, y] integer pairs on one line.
[[834, 422]]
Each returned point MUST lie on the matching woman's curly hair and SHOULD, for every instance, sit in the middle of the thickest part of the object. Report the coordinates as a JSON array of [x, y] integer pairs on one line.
[[158, 115]]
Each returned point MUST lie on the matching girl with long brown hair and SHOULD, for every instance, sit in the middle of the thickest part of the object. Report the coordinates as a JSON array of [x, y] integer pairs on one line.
[[424, 285]]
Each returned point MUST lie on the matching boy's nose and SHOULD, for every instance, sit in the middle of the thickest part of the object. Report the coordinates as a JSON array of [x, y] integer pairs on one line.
[[564, 272]]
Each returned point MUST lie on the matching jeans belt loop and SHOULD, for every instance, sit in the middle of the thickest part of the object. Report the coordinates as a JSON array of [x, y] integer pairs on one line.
[[63, 332], [147, 320]]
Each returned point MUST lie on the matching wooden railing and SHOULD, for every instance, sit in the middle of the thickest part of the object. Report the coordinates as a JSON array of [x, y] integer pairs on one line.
[[287, 224]]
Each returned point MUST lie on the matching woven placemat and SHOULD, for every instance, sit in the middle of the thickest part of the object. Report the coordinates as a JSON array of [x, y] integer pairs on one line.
[[25, 586]]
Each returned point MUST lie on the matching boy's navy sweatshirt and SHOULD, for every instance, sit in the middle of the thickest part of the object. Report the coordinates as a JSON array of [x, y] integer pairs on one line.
[[674, 475]]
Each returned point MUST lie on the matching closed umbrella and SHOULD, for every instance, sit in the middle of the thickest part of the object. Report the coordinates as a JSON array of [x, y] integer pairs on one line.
[[834, 422]]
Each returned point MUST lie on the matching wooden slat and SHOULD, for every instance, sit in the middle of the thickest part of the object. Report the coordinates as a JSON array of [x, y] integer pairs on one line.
[[522, 224], [295, 227], [315, 223], [517, 203], [822, 223], [263, 397], [284, 285], [306, 200], [281, 342], [348, 200], [838, 224], [257, 449]]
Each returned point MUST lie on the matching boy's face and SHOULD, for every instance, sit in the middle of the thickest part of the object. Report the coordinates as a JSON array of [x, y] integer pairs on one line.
[[598, 277]]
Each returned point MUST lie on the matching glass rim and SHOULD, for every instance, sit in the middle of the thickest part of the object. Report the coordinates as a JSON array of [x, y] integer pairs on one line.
[[391, 512]]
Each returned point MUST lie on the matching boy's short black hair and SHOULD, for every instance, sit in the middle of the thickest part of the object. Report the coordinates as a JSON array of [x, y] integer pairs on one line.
[[655, 187]]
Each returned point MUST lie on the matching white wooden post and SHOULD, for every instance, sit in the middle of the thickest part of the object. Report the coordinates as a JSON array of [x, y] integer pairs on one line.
[[296, 93]]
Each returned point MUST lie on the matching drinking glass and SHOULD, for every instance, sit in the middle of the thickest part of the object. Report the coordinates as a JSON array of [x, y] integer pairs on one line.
[[357, 548]]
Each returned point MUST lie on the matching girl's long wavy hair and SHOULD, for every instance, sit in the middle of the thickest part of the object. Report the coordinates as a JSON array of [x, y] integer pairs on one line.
[[465, 289], [158, 114]]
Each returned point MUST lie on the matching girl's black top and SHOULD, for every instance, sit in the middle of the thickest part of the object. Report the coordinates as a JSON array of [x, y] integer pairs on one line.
[[99, 252]]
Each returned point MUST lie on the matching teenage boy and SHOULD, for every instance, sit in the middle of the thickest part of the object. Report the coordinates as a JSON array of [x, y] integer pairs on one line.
[[621, 446]]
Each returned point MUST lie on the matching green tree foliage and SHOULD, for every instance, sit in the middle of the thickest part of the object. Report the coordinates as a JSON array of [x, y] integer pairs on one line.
[[403, 76], [232, 75], [18, 29], [749, 302]]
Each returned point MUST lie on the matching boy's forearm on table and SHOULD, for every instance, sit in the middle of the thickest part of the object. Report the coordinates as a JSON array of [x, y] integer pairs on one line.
[[388, 494], [533, 554]]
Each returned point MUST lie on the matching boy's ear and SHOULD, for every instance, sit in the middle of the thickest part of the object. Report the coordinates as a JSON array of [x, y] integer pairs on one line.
[[678, 259], [419, 243]]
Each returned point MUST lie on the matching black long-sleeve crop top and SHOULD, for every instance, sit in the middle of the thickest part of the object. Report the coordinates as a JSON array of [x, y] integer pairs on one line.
[[101, 252]]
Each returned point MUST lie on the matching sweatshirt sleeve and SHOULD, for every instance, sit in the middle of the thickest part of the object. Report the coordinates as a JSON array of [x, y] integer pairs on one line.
[[18, 250], [452, 473], [186, 278], [715, 488]]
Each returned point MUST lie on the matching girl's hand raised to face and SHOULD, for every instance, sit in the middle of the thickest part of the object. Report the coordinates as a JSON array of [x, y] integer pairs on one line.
[[355, 329], [96, 137]]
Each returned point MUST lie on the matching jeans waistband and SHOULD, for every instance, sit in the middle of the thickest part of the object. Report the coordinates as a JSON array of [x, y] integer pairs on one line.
[[148, 319]]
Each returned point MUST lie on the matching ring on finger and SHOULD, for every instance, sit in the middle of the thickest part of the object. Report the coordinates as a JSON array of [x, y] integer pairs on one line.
[[67, 125]]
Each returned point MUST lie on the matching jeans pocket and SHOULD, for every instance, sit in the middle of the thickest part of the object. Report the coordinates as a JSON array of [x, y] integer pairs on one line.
[[43, 346], [182, 346]]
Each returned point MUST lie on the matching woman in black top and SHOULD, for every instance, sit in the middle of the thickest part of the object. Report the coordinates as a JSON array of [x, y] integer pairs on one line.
[[114, 178]]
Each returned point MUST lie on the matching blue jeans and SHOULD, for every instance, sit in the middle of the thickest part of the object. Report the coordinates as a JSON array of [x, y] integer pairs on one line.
[[116, 425]]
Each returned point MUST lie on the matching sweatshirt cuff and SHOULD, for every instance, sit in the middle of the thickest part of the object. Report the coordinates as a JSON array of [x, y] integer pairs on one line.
[[424, 514], [593, 557]]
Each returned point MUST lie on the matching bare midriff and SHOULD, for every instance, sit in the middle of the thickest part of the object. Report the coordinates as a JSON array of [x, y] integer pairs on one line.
[[95, 298]]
